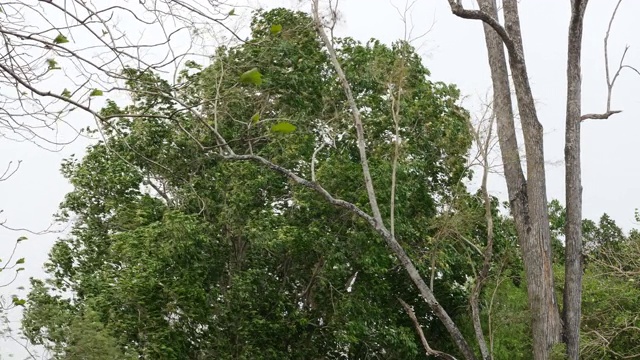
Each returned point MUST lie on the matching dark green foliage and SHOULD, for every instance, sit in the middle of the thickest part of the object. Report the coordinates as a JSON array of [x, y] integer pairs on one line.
[[175, 254]]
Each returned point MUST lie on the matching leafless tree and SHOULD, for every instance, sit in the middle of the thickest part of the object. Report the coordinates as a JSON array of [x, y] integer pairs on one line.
[[57, 57], [484, 142], [527, 194]]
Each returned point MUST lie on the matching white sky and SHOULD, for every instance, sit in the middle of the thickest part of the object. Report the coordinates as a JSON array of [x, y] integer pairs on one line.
[[454, 51]]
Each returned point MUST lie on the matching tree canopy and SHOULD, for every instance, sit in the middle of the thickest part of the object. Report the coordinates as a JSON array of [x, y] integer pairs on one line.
[[224, 216], [175, 253]]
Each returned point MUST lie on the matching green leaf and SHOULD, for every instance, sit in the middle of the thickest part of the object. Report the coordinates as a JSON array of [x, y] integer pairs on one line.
[[53, 64], [252, 76], [276, 29], [66, 93], [60, 39], [255, 118], [19, 269], [22, 238], [18, 301], [283, 127], [232, 12], [96, 92], [20, 261]]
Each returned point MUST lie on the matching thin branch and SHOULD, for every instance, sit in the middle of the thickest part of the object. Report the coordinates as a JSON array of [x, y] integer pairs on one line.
[[425, 344], [395, 113], [313, 161], [313, 186], [355, 112], [8, 172], [602, 116], [610, 81], [484, 149]]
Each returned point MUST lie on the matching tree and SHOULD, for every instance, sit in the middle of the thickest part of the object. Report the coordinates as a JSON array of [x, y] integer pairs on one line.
[[237, 111], [527, 195], [223, 256]]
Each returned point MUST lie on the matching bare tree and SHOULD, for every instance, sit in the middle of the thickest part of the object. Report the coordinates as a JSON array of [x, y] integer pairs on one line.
[[59, 57], [527, 194], [484, 141], [572, 299]]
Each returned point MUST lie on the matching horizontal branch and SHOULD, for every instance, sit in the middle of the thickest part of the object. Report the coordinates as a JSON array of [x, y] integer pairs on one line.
[[602, 116]]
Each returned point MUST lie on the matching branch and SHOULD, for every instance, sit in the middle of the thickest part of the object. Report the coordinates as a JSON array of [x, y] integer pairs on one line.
[[313, 186], [458, 10], [602, 116], [8, 172], [355, 112], [610, 81], [423, 339], [484, 146], [313, 161]]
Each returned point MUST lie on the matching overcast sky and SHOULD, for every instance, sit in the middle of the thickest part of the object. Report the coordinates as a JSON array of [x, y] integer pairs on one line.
[[454, 51]]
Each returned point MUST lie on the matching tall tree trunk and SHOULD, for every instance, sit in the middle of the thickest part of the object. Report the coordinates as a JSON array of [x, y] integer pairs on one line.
[[528, 197], [546, 325], [573, 182]]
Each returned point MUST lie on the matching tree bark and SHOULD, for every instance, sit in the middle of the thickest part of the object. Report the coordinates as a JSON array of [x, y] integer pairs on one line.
[[546, 325], [573, 228], [528, 197]]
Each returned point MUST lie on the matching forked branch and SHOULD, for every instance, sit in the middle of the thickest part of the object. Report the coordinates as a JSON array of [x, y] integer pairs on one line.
[[611, 80], [459, 10]]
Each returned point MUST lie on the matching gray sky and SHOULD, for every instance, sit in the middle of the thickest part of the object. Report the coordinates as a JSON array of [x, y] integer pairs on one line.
[[454, 51]]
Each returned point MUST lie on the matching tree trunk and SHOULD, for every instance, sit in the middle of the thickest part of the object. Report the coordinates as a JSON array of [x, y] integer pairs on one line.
[[573, 228], [528, 197]]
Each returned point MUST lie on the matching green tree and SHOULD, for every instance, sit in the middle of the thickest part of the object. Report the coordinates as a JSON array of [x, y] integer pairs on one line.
[[177, 252]]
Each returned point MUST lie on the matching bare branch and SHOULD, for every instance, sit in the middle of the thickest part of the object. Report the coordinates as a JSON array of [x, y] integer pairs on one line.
[[313, 186], [425, 344], [458, 10], [484, 144], [610, 81], [373, 201], [602, 116]]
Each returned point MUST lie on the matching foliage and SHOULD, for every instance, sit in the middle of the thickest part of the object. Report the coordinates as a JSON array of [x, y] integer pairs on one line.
[[10, 269], [176, 254]]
